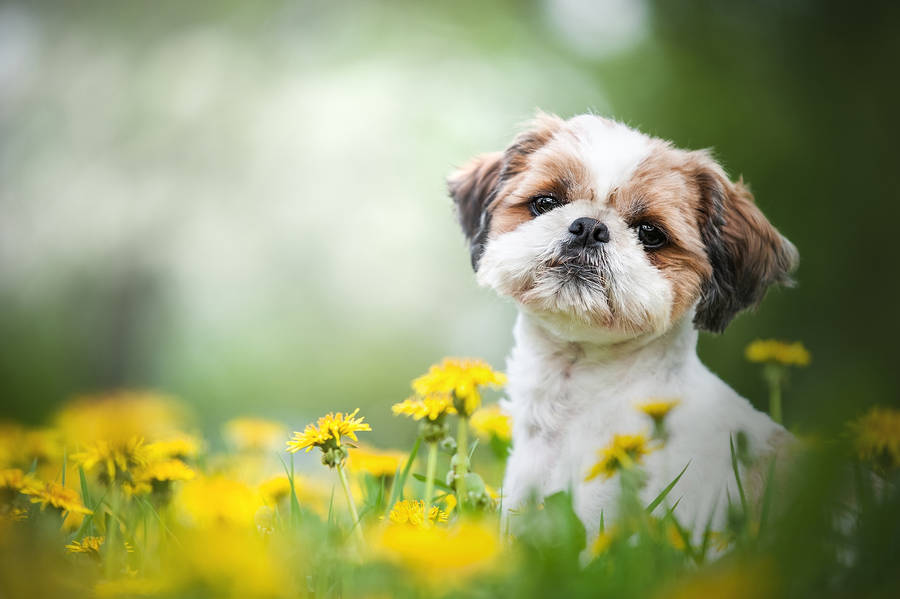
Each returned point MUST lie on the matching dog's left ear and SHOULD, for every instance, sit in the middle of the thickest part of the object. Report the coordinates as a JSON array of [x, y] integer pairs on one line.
[[472, 187], [746, 252]]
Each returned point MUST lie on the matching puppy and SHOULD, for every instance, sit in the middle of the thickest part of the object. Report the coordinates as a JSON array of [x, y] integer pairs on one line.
[[617, 248]]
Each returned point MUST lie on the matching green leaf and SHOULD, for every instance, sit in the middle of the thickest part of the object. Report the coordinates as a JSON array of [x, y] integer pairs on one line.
[[665, 492], [438, 484]]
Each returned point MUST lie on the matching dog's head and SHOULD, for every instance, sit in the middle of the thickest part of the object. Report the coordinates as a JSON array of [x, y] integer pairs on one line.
[[590, 223]]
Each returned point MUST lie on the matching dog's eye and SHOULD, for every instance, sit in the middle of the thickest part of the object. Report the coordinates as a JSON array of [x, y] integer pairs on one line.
[[651, 236], [542, 204]]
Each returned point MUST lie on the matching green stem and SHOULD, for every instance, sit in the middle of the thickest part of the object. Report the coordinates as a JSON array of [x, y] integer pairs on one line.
[[429, 474], [357, 525], [774, 376], [112, 533], [462, 466]]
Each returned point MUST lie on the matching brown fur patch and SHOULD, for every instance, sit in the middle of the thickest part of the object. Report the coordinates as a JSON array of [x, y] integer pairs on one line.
[[539, 131], [746, 252], [562, 177], [661, 194]]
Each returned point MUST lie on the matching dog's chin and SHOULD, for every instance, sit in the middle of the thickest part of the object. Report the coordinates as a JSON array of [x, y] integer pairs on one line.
[[586, 294], [572, 287], [575, 296]]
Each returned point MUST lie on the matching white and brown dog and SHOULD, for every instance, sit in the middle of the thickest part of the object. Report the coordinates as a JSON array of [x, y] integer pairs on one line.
[[617, 247]]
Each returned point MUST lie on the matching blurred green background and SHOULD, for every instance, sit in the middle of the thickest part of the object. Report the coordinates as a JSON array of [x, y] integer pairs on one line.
[[243, 204]]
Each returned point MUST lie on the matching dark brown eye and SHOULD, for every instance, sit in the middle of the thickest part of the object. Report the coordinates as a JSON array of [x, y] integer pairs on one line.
[[542, 204], [651, 236]]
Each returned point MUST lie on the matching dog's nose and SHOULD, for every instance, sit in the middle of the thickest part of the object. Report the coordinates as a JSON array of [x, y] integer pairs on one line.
[[588, 232]]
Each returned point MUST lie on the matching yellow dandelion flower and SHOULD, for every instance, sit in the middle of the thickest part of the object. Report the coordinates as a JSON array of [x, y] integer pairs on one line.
[[275, 489], [43, 445], [15, 514], [450, 502], [135, 488], [312, 493], [772, 350], [412, 512], [658, 409], [23, 447], [112, 458], [11, 434], [12, 479], [218, 501], [622, 452], [674, 538], [376, 462], [431, 406], [131, 587], [876, 437], [57, 496], [159, 472], [229, 563], [461, 377], [328, 431], [602, 543], [119, 417], [89, 545], [181, 446], [254, 434], [748, 579], [492, 421], [439, 554]]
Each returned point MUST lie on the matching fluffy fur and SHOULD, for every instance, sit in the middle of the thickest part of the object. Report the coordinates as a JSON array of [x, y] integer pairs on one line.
[[604, 328]]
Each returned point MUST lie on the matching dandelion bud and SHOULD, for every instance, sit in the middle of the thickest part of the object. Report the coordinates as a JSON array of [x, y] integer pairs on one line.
[[434, 431], [334, 456]]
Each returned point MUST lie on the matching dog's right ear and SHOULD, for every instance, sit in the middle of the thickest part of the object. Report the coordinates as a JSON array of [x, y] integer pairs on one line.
[[472, 188]]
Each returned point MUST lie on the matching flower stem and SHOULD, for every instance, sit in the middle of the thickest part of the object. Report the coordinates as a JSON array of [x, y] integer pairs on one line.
[[357, 527], [774, 375], [429, 473], [462, 466], [111, 565]]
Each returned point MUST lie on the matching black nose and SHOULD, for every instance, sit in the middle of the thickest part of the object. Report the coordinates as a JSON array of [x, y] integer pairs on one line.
[[588, 232]]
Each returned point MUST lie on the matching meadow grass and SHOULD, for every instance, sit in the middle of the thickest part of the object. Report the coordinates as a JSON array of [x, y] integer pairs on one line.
[[114, 498]]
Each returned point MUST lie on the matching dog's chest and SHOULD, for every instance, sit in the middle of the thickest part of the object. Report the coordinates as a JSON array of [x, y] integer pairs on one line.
[[564, 409]]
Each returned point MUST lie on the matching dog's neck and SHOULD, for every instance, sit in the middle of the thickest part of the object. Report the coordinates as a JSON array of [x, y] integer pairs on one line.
[[566, 377], [672, 348]]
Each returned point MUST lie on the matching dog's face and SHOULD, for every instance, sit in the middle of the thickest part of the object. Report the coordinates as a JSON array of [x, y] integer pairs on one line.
[[592, 225]]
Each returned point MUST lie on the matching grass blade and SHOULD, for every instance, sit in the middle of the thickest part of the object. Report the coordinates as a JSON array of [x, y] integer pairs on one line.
[[400, 482], [767, 498], [737, 475], [295, 503], [665, 492]]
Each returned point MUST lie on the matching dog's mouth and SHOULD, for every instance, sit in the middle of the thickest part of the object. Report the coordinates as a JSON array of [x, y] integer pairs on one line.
[[584, 267], [583, 258]]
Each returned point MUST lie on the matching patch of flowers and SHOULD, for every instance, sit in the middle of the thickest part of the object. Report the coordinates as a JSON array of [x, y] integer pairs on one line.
[[120, 497]]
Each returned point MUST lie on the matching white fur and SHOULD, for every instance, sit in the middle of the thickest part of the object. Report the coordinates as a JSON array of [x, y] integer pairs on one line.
[[611, 151], [568, 399], [590, 346]]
